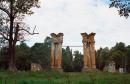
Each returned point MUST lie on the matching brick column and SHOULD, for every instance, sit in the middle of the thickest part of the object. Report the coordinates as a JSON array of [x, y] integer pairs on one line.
[[88, 51], [92, 48], [56, 51]]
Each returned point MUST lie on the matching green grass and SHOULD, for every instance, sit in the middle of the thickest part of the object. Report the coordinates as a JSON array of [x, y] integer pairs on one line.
[[63, 78]]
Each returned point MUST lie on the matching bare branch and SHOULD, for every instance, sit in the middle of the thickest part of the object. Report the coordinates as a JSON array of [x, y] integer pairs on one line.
[[29, 31], [6, 11], [3, 36], [16, 34], [34, 28]]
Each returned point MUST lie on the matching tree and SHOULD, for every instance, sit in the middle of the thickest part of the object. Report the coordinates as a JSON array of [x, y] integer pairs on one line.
[[23, 59], [102, 58], [3, 58], [128, 58], [12, 29], [119, 46], [118, 54], [123, 7], [78, 61], [117, 57], [67, 59], [40, 53]]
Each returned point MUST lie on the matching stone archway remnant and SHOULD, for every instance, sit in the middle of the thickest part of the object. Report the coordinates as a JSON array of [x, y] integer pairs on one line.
[[89, 57], [56, 51]]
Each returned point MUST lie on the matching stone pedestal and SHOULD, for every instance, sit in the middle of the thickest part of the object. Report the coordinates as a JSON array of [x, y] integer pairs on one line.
[[89, 52], [56, 51]]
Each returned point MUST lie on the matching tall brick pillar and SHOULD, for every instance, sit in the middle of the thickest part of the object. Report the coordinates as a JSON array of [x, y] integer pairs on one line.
[[89, 52], [56, 51]]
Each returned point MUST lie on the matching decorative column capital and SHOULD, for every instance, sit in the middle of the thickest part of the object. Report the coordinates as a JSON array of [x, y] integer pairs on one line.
[[88, 37], [57, 38]]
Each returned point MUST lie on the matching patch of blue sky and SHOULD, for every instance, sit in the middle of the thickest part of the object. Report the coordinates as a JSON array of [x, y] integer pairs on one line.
[[105, 1], [121, 2]]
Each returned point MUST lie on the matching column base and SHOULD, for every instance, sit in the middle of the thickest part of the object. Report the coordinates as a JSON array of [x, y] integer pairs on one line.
[[57, 69], [89, 70]]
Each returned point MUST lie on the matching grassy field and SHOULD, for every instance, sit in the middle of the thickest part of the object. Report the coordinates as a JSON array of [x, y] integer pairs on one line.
[[63, 78]]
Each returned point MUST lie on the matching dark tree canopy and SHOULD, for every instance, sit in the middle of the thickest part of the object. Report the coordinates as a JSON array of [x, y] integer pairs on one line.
[[40, 53], [23, 58], [78, 61], [123, 7], [119, 54], [67, 59], [102, 57]]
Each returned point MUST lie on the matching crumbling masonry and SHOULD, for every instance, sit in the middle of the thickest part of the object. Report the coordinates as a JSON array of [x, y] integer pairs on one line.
[[56, 51], [89, 51]]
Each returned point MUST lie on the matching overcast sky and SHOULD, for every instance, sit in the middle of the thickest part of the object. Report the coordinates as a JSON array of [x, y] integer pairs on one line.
[[73, 17]]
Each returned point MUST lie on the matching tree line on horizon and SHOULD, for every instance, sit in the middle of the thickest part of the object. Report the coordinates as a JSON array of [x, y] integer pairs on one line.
[[119, 54], [40, 53]]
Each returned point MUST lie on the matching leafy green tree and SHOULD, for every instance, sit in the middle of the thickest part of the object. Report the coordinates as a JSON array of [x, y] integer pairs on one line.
[[123, 7], [67, 60], [117, 57], [78, 61], [127, 59], [40, 53], [102, 58], [12, 29], [118, 54], [119, 46], [3, 58], [23, 59]]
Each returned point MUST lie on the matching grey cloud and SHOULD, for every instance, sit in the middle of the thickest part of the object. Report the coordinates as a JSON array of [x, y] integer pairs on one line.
[[75, 16]]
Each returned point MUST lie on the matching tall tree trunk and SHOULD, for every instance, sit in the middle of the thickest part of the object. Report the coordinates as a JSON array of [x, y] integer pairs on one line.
[[12, 66], [11, 51]]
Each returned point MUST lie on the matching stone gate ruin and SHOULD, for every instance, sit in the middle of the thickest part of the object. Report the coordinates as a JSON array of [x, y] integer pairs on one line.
[[56, 51], [88, 51]]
